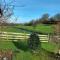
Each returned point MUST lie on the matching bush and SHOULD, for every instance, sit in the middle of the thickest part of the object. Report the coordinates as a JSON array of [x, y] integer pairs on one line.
[[22, 45], [33, 41]]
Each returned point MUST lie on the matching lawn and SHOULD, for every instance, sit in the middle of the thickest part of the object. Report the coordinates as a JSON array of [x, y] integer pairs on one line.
[[49, 46]]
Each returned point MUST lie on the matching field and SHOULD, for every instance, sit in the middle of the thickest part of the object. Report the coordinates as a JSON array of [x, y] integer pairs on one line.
[[39, 28], [23, 53], [20, 28]]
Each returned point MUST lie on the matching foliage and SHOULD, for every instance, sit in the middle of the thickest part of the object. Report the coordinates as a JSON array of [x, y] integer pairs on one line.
[[26, 55], [57, 17], [31, 23], [45, 19], [22, 45], [33, 41]]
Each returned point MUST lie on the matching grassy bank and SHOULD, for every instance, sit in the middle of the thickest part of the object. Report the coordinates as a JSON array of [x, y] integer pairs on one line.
[[39, 28], [27, 55]]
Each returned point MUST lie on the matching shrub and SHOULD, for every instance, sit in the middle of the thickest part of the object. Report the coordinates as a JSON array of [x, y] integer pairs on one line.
[[33, 41], [22, 45]]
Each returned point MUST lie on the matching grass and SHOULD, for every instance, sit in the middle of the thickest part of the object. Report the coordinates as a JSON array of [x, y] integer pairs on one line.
[[49, 46], [11, 29], [44, 28], [39, 28], [7, 45], [27, 55]]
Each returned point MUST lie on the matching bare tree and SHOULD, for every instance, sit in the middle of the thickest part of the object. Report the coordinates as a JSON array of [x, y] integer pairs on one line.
[[5, 12]]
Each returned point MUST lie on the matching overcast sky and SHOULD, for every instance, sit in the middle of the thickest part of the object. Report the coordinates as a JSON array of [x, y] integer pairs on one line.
[[27, 10]]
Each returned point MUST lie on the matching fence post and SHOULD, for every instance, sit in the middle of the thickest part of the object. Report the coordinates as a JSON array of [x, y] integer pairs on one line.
[[7, 36], [48, 37]]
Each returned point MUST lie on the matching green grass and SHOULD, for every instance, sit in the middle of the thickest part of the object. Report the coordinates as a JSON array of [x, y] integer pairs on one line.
[[49, 46], [5, 45], [39, 28], [44, 28], [11, 29], [26, 55]]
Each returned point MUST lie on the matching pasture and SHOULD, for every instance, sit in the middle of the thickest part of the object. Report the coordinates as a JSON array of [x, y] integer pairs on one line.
[[23, 53], [39, 28]]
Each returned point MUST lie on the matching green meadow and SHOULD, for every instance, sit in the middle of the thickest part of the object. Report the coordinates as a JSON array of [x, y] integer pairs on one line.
[[23, 53], [38, 28]]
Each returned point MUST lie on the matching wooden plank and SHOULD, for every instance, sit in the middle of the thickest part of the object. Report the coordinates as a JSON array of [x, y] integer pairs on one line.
[[10, 35]]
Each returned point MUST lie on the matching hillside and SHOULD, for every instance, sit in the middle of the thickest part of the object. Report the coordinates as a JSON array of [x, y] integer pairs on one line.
[[21, 28]]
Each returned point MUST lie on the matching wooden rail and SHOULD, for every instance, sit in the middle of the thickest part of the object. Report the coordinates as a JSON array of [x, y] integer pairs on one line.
[[9, 36]]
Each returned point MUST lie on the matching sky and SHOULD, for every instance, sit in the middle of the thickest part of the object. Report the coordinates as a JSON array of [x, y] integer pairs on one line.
[[26, 10]]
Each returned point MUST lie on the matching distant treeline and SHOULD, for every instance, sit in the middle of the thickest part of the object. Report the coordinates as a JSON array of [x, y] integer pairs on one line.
[[45, 19]]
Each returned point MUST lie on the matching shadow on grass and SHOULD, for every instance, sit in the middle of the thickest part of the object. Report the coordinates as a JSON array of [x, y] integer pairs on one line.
[[22, 45]]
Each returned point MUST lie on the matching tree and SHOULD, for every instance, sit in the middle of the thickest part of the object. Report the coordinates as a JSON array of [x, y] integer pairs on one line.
[[1, 12], [57, 17], [33, 41], [44, 18], [52, 21], [6, 11]]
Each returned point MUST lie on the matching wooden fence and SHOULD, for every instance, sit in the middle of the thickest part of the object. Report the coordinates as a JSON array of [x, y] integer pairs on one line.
[[9, 36]]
